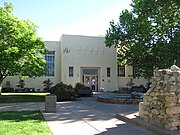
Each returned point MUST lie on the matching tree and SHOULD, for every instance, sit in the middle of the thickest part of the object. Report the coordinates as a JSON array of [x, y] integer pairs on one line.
[[20, 49], [148, 36]]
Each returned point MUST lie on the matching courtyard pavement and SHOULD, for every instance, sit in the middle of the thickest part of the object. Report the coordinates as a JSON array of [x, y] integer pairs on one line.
[[84, 117]]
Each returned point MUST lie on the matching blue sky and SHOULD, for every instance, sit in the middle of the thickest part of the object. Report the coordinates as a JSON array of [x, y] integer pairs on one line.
[[77, 17]]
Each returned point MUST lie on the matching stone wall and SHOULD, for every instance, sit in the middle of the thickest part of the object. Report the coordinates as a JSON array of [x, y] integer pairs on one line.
[[161, 103]]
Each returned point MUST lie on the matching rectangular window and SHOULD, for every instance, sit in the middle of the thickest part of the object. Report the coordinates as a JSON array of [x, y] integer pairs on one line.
[[108, 72], [70, 71], [50, 62], [120, 71]]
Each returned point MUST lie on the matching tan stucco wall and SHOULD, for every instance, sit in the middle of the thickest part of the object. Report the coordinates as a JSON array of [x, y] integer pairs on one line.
[[81, 52], [86, 51]]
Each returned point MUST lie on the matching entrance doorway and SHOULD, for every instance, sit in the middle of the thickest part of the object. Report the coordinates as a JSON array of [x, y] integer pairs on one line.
[[91, 81], [90, 78]]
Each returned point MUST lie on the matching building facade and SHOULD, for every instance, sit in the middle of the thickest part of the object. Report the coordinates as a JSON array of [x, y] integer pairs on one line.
[[83, 59]]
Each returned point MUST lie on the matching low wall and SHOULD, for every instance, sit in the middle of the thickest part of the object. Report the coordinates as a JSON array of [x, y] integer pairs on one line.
[[119, 101]]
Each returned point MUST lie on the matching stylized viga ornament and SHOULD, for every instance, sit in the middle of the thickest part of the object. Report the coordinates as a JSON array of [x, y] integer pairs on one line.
[[66, 50]]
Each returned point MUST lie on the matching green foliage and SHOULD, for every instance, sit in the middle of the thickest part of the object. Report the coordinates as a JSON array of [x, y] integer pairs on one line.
[[63, 92], [20, 49], [78, 86], [148, 36]]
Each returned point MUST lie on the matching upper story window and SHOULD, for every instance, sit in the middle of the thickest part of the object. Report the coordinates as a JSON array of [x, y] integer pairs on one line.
[[71, 71], [108, 72], [120, 71], [50, 63]]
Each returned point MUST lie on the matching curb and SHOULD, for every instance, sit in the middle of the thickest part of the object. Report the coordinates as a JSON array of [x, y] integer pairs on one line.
[[140, 122]]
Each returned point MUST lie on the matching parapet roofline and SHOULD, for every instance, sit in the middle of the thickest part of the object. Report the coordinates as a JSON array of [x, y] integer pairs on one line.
[[82, 36]]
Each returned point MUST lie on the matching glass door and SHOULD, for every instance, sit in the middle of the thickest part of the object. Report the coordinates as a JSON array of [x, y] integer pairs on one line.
[[87, 80], [90, 78], [91, 81]]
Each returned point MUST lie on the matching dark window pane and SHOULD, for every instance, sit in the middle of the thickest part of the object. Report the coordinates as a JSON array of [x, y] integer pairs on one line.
[[70, 71], [108, 72]]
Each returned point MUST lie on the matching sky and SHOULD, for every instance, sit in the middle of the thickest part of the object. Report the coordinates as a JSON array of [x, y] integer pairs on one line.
[[74, 17]]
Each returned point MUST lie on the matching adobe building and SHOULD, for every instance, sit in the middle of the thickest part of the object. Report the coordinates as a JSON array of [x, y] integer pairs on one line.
[[83, 59]]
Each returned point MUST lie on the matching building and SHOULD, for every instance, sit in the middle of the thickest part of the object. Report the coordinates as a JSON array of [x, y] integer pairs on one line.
[[83, 59]]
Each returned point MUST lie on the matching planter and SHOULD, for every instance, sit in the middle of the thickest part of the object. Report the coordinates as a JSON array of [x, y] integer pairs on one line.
[[50, 103]]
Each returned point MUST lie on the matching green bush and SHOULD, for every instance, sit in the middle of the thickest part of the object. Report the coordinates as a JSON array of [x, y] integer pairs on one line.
[[8, 90], [78, 86], [63, 92]]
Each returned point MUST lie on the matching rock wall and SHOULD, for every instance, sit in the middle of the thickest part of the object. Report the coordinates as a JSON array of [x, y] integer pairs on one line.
[[161, 103]]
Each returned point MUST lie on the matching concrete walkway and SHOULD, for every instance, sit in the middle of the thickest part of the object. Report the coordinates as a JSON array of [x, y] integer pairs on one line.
[[84, 117], [89, 117]]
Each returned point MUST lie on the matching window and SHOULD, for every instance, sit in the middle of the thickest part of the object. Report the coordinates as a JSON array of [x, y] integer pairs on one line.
[[108, 72], [120, 71], [70, 71], [50, 60]]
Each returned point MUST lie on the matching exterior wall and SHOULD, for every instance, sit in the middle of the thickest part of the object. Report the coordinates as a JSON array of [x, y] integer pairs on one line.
[[85, 51], [122, 81], [81, 52], [38, 82]]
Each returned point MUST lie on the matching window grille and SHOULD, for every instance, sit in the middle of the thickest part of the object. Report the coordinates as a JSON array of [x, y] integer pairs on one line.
[[108, 72], [50, 62], [90, 71]]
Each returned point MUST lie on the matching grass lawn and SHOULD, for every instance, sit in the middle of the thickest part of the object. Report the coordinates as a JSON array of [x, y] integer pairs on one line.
[[23, 123], [22, 97]]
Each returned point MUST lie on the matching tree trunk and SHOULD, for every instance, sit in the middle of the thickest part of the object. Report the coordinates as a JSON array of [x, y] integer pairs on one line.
[[0, 87]]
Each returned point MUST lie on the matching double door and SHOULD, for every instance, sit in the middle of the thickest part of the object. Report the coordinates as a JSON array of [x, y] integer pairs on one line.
[[91, 81]]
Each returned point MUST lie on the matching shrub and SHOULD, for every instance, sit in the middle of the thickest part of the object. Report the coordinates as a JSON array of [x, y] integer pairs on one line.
[[78, 86], [63, 92], [8, 90], [82, 90], [21, 84], [47, 84], [140, 88]]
